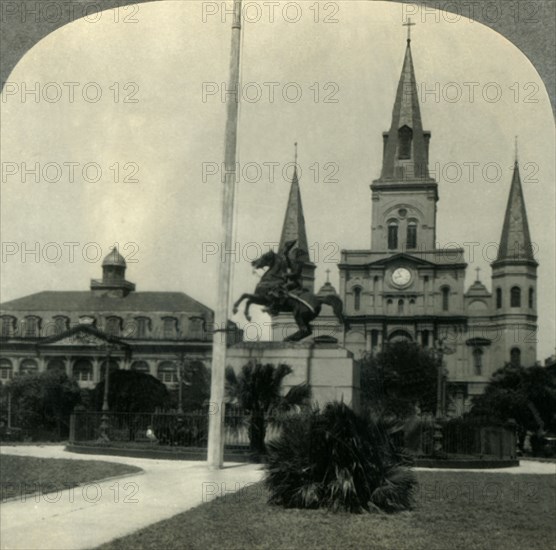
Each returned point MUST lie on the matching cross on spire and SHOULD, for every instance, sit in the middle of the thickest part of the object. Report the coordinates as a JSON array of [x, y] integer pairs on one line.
[[478, 270], [328, 275], [295, 148], [516, 148], [409, 24]]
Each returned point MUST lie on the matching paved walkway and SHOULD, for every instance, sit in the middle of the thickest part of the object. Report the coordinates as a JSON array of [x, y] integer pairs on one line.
[[93, 514], [87, 516], [525, 467]]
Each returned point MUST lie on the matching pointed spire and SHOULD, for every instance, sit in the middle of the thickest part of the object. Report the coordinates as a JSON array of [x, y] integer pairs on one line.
[[294, 221], [515, 242], [406, 144]]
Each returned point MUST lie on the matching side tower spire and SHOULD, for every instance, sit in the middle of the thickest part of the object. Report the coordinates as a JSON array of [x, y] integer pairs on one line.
[[515, 241], [294, 230], [514, 283]]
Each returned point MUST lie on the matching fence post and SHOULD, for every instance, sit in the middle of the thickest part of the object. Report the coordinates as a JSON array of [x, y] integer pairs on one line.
[[72, 428]]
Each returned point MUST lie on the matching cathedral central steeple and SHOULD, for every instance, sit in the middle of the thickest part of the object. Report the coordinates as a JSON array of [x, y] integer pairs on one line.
[[405, 196], [406, 145]]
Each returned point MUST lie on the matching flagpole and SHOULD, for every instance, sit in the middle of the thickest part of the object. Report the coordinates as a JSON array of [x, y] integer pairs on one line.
[[215, 453]]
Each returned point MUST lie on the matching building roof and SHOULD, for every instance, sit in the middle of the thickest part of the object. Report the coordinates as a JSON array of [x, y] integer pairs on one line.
[[85, 301], [406, 112], [327, 290], [477, 289], [114, 258], [515, 242]]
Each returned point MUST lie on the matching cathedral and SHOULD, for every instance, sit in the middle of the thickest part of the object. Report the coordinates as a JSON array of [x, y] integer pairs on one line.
[[404, 288]]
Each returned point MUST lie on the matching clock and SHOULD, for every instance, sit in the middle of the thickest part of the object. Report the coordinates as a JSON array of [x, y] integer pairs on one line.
[[401, 276]]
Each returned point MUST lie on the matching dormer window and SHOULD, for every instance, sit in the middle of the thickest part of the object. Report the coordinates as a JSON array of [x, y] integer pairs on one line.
[[143, 325], [405, 137], [61, 324], [169, 327], [32, 325], [113, 326], [8, 326]]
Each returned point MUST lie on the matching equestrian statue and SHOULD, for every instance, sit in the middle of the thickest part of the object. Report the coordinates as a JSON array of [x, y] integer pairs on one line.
[[280, 290]]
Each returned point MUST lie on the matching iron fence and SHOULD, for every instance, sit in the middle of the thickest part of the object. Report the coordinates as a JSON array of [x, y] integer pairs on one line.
[[165, 429], [478, 437]]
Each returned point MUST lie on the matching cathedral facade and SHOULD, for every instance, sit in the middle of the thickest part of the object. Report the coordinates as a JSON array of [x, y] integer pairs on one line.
[[405, 288]]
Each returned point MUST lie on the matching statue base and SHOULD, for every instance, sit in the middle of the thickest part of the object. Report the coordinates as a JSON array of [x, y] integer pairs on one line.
[[328, 368]]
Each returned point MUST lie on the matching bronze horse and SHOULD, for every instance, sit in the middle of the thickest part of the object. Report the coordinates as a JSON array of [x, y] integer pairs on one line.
[[305, 306]]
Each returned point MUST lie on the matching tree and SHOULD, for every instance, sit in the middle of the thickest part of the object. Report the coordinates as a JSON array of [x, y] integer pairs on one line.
[[132, 391], [196, 386], [43, 402], [526, 395], [258, 391], [399, 378]]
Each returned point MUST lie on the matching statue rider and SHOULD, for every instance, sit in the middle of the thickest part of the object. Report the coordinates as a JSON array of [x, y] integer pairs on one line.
[[292, 278]]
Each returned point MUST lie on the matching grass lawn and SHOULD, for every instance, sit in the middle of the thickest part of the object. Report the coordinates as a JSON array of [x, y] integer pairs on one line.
[[453, 511], [25, 475]]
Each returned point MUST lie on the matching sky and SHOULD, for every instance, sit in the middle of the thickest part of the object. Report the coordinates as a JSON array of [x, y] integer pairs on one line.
[[125, 123]]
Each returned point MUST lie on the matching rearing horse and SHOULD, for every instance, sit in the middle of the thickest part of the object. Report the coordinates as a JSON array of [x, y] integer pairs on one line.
[[304, 306]]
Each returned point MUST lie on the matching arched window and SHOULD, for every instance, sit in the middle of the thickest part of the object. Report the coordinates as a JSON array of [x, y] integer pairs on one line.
[[169, 327], [140, 366], [412, 235], [167, 372], [83, 370], [412, 306], [399, 336], [8, 326], [56, 364], [515, 357], [392, 235], [28, 366], [425, 338], [114, 366], [531, 298], [498, 298], [113, 325], [478, 361], [32, 326], [515, 297], [401, 305], [357, 298], [405, 135], [6, 369], [445, 298], [389, 304]]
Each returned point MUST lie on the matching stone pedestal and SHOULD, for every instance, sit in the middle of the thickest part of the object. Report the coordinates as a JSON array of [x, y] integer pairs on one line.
[[328, 368]]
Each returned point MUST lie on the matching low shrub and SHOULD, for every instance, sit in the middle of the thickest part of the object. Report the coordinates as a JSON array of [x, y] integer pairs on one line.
[[338, 460]]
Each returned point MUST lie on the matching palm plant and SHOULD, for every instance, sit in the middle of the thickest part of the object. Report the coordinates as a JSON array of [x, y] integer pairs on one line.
[[258, 391], [338, 460]]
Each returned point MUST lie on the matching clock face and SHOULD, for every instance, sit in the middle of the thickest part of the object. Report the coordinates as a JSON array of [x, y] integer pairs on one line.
[[401, 276]]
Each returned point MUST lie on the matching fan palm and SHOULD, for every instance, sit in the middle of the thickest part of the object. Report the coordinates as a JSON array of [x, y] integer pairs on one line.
[[258, 391]]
